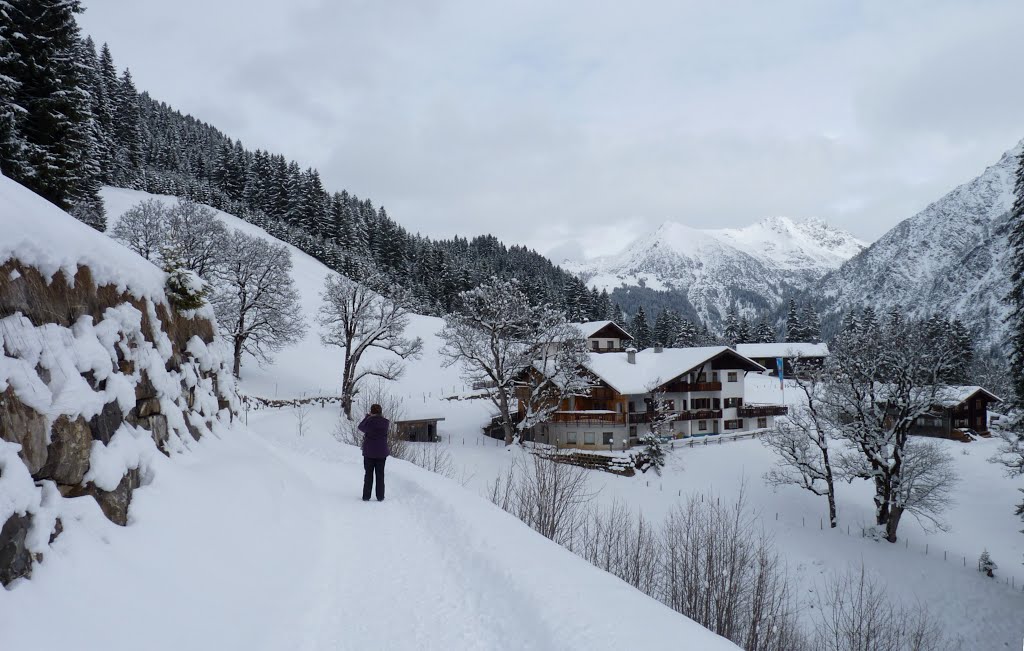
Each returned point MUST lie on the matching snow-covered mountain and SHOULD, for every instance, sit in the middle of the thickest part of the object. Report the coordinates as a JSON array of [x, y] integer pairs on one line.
[[951, 258], [752, 266]]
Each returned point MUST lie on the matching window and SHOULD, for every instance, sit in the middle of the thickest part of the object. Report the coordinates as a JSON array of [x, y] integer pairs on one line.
[[589, 438], [700, 403], [570, 437], [703, 377], [682, 404], [732, 376], [762, 422], [670, 405], [716, 403], [632, 407], [609, 344], [606, 437], [595, 345], [632, 431], [702, 425], [714, 376], [734, 424], [733, 402]]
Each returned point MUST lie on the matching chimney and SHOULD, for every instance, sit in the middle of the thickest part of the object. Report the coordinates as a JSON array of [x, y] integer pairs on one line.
[[631, 355], [658, 348]]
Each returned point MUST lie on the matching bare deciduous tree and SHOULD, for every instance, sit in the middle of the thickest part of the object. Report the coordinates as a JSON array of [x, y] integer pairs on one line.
[[549, 496], [356, 318], [880, 380], [255, 299], [143, 228], [498, 335], [802, 441], [854, 613], [195, 237]]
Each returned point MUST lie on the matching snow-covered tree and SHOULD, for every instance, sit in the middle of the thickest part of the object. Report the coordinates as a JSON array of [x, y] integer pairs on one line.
[[763, 333], [254, 297], [879, 382], [733, 331], [986, 565], [195, 236], [687, 336], [803, 440], [652, 457], [640, 329], [794, 328], [497, 335], [143, 229], [557, 372], [810, 325], [356, 318]]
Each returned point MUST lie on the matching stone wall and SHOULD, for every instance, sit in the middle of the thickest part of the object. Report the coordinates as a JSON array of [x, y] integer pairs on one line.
[[83, 366]]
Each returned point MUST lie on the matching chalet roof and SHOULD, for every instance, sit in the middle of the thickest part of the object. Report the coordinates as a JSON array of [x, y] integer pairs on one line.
[[957, 395], [591, 328], [651, 367], [787, 350]]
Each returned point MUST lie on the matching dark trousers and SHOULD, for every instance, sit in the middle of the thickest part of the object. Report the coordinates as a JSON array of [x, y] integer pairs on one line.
[[372, 467]]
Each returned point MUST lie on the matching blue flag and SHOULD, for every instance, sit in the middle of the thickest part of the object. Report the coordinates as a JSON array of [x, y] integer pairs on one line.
[[779, 365]]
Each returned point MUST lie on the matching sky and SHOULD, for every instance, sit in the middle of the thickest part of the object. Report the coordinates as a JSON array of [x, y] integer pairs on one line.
[[575, 127]]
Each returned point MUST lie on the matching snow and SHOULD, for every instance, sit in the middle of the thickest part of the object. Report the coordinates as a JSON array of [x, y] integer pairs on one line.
[[589, 328], [256, 538], [783, 349], [43, 236], [670, 363]]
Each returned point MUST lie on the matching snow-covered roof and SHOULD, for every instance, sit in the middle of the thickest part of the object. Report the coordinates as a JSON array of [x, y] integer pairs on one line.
[[42, 236], [957, 394], [783, 349], [651, 367], [590, 328]]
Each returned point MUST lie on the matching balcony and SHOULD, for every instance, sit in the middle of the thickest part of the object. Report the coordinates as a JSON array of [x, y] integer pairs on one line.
[[760, 411], [695, 414], [588, 417], [687, 387]]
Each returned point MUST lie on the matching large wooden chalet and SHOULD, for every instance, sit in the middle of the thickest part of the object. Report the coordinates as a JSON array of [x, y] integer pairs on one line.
[[604, 336], [704, 389]]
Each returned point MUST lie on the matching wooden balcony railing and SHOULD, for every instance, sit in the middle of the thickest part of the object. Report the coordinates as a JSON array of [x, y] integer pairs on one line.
[[758, 411], [587, 417], [695, 414]]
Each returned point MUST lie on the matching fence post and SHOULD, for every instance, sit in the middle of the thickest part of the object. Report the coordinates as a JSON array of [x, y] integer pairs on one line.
[[803, 521]]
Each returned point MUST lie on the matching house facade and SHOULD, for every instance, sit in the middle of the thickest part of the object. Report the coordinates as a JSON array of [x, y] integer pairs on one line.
[[767, 355], [604, 336], [962, 408], [703, 390]]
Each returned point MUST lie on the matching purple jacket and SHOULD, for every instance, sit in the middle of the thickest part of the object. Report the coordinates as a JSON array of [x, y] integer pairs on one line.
[[375, 439]]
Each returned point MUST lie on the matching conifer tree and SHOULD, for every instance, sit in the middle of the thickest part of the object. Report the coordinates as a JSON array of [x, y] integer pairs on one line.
[[810, 325], [794, 329], [763, 333], [733, 332], [640, 329], [687, 336]]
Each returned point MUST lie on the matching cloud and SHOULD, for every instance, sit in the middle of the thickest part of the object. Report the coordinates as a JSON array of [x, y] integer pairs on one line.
[[573, 127]]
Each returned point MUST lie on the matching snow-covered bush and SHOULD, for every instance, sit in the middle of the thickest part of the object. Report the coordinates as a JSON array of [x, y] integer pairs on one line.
[[185, 289]]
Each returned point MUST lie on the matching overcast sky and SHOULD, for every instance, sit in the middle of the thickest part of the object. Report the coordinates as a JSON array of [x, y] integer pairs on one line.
[[573, 127]]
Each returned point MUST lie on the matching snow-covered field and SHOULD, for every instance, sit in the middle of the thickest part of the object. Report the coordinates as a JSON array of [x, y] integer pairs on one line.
[[257, 539]]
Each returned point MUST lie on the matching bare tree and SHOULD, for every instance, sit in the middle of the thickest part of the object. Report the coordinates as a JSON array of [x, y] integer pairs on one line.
[[195, 237], [255, 299], [802, 441], [498, 335], [356, 318], [143, 228], [1011, 453], [880, 380], [621, 544], [854, 613], [720, 569], [549, 496]]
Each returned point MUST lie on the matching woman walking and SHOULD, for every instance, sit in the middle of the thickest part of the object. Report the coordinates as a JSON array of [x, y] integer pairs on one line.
[[375, 450]]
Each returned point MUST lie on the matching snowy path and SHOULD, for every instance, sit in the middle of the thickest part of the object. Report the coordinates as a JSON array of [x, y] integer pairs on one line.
[[261, 542]]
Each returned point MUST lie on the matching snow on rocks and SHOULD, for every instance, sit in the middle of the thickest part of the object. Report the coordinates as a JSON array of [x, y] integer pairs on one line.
[[98, 372]]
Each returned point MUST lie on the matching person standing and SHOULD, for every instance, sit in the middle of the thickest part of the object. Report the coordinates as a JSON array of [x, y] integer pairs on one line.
[[375, 450]]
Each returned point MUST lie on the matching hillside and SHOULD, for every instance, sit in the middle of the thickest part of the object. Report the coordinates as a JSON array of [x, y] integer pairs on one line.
[[754, 266], [950, 258]]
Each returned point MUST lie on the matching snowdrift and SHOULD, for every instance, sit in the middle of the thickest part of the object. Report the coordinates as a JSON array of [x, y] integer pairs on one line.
[[98, 373]]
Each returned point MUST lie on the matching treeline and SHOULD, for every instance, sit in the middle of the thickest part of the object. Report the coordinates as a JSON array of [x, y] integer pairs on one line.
[[70, 123]]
